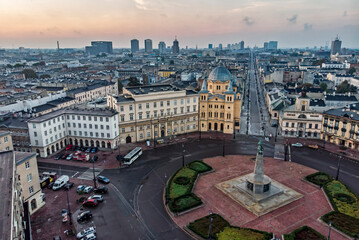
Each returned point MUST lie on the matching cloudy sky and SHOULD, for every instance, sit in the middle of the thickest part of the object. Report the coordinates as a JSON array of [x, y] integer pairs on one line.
[[294, 23]]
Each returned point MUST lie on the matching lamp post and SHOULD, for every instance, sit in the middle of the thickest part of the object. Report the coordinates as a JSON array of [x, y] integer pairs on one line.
[[324, 136], [182, 154], [210, 224], [93, 170], [338, 169], [330, 228], [68, 206], [224, 141]]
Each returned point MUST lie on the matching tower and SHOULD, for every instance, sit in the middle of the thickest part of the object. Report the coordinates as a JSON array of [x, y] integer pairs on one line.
[[336, 46], [135, 45], [148, 45], [175, 47]]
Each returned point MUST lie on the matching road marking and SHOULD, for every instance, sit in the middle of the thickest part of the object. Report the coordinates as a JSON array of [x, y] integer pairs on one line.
[[74, 174], [345, 172], [88, 174]]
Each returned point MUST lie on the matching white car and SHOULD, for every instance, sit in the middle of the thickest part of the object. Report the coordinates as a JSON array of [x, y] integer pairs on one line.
[[81, 188], [88, 189], [85, 232], [90, 236], [99, 198]]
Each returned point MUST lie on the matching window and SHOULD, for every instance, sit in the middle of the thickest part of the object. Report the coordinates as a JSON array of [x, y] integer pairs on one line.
[[79, 125], [147, 105], [85, 125], [108, 135], [168, 103], [101, 126], [73, 117], [287, 124], [130, 107], [123, 130], [83, 117], [107, 120], [132, 129], [36, 142], [90, 126], [148, 115], [91, 134], [95, 118], [131, 117], [80, 133], [96, 134], [175, 111], [310, 125], [292, 125], [188, 109], [168, 112], [29, 177], [47, 140], [188, 100], [101, 119], [194, 99], [175, 102], [139, 106], [154, 104], [107, 127], [102, 135], [141, 135], [34, 125], [27, 165], [35, 134], [122, 118], [316, 126], [194, 108], [161, 103], [155, 114], [78, 117], [148, 134], [31, 189], [90, 118], [182, 101], [121, 108]]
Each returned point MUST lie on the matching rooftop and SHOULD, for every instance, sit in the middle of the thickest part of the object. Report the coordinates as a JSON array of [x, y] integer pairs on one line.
[[140, 90], [341, 98], [219, 73], [21, 157], [351, 111]]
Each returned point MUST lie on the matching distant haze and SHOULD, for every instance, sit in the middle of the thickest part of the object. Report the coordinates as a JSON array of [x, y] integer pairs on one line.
[[293, 23]]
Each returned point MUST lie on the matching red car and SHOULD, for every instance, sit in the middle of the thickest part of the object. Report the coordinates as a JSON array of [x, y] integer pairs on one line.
[[90, 203], [68, 147]]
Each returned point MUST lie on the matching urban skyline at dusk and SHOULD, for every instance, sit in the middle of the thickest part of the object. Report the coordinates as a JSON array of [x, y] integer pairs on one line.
[[294, 23]]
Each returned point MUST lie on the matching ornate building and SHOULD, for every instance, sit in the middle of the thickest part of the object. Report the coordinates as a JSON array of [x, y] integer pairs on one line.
[[220, 102]]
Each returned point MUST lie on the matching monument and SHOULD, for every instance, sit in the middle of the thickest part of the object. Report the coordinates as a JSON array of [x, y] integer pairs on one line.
[[257, 192]]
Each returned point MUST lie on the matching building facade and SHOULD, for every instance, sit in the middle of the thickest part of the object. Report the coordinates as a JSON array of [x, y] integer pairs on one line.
[[155, 112], [148, 45], [135, 46], [51, 132], [336, 47], [175, 47], [220, 103], [5, 141], [161, 47], [341, 126]]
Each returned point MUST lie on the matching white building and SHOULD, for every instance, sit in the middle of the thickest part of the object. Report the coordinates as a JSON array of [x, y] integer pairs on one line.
[[51, 132]]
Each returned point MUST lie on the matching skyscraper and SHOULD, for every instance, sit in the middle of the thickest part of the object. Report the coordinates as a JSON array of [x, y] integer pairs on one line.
[[148, 45], [265, 46], [175, 47], [241, 45], [336, 46], [99, 47], [135, 46], [220, 46], [210, 46], [162, 47], [273, 45]]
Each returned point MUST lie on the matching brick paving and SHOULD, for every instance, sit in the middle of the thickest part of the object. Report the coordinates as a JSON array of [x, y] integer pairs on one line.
[[304, 211], [47, 221]]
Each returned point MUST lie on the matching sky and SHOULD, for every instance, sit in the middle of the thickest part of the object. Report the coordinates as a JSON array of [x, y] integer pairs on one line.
[[75, 23]]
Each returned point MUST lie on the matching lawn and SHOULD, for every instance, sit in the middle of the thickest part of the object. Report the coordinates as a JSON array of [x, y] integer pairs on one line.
[[235, 233], [344, 223], [199, 166], [319, 178], [201, 226], [304, 233], [184, 203], [176, 190]]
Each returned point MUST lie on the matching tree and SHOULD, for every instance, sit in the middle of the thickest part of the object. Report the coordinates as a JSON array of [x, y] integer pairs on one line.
[[345, 87], [323, 86], [172, 62], [133, 81], [351, 70], [29, 73]]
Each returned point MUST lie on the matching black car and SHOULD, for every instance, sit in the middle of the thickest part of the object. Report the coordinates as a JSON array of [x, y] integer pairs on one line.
[[64, 156], [103, 179], [94, 158], [73, 148], [84, 216], [58, 157], [100, 190], [68, 185]]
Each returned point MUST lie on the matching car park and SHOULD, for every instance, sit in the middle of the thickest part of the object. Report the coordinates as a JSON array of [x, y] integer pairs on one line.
[[93, 150], [88, 189], [299, 145], [99, 198], [68, 185], [84, 216], [85, 232], [100, 190], [103, 179], [90, 236], [69, 157], [81, 188], [90, 203]]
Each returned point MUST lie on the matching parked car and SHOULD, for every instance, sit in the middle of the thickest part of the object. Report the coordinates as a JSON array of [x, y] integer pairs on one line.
[[93, 150], [81, 200], [57, 238], [313, 146], [51, 184], [58, 157], [80, 188], [100, 190], [94, 158], [103, 179], [69, 157], [99, 198], [299, 145], [60, 182], [90, 236], [63, 156], [88, 150], [73, 148], [84, 216], [88, 189], [68, 185], [90, 203], [68, 147], [85, 232]]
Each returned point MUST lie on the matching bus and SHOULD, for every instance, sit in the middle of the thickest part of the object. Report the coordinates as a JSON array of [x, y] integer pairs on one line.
[[133, 155]]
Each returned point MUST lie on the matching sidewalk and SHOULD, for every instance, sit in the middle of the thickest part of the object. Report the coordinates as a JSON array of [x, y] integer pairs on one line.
[[330, 147]]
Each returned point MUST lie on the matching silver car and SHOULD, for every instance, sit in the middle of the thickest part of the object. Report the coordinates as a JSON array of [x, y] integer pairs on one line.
[[85, 232], [99, 198]]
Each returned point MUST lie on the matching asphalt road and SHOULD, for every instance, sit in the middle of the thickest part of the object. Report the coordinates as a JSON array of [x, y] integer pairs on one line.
[[71, 171]]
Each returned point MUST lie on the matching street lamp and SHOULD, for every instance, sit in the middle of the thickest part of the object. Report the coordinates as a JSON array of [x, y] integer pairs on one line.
[[224, 141], [338, 169], [330, 228], [68, 206], [210, 224], [182, 154], [93, 170]]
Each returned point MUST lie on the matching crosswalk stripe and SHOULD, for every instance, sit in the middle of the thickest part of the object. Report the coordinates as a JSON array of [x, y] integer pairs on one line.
[[88, 174]]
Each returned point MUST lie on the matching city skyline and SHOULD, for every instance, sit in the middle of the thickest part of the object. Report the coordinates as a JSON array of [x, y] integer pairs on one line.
[[294, 23]]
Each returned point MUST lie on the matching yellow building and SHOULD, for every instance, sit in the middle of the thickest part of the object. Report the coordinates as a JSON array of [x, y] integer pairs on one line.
[[5, 141], [163, 73], [220, 103]]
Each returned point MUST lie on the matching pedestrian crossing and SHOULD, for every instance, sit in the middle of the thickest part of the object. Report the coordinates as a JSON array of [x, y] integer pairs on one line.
[[88, 174]]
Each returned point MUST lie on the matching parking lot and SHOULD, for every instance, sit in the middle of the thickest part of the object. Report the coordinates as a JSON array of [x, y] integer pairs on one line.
[[47, 221]]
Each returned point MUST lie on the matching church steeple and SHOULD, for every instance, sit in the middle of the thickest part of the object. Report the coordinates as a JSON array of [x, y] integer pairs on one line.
[[204, 87], [230, 88]]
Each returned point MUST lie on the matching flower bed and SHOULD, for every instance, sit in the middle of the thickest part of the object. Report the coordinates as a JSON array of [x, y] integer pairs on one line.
[[175, 190], [319, 178], [346, 224], [200, 166], [201, 226], [304, 233], [342, 198], [184, 203], [236, 233]]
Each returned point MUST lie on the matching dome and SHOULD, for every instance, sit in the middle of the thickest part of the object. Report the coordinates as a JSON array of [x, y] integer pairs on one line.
[[220, 73]]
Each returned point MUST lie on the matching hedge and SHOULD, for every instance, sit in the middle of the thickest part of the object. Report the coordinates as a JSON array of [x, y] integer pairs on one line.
[[201, 225], [304, 233], [347, 224], [175, 190], [200, 166], [184, 203], [319, 178], [236, 233]]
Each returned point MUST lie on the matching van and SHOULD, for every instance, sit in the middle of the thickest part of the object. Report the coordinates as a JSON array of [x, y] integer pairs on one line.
[[60, 182]]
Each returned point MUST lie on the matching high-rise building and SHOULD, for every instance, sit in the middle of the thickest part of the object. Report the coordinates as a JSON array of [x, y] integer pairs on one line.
[[135, 46], [273, 45], [210, 46], [175, 47], [336, 46], [220, 46], [265, 46], [162, 47], [99, 47], [241, 45], [148, 45], [228, 46]]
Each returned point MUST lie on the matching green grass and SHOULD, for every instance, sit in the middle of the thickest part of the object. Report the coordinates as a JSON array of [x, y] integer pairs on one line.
[[319, 178], [348, 225], [201, 226], [184, 203], [304, 233], [178, 190], [200, 166], [235, 233]]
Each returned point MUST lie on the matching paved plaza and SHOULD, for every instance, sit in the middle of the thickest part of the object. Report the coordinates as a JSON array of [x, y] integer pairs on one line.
[[304, 211]]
